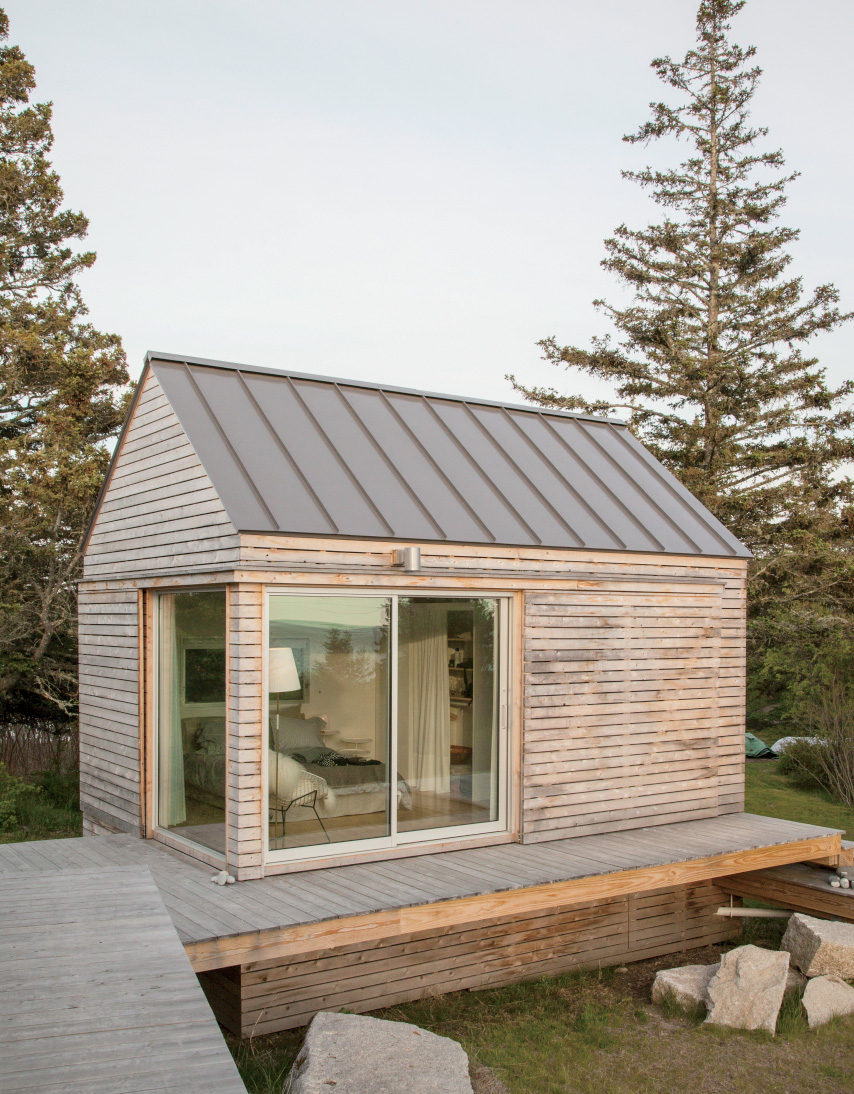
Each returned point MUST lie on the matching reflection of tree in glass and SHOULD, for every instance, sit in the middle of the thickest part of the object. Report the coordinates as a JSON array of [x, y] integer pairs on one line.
[[200, 614], [484, 627], [345, 668]]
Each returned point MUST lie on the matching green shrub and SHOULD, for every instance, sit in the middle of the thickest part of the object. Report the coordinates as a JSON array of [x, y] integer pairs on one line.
[[827, 759], [12, 791], [802, 763], [60, 786]]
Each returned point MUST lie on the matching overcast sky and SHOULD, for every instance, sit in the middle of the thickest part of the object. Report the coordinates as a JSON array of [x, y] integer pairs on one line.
[[407, 191]]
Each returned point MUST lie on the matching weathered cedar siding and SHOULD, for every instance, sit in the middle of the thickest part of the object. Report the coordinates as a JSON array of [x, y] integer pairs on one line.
[[160, 511], [109, 708], [628, 720], [245, 652]]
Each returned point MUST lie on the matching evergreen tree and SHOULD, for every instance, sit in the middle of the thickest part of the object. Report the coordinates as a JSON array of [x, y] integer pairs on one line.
[[710, 366], [61, 398]]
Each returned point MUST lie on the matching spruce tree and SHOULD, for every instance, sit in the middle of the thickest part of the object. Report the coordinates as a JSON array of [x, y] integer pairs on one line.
[[710, 365], [61, 398]]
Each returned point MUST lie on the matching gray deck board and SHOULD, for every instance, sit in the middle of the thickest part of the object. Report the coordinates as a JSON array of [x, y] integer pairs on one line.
[[202, 911], [97, 994]]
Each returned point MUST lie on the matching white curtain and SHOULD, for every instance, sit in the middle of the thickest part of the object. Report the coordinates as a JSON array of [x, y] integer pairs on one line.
[[172, 802], [429, 698]]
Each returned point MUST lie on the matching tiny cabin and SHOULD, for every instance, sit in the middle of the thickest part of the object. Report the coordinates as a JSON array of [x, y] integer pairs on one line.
[[326, 623]]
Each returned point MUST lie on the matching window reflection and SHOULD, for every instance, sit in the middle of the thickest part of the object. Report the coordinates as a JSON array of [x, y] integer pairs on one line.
[[191, 693], [328, 679]]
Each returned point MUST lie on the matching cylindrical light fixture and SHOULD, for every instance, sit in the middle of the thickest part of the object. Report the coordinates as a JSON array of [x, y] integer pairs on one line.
[[410, 559]]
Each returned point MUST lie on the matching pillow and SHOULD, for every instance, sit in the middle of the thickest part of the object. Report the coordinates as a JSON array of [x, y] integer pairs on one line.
[[295, 733]]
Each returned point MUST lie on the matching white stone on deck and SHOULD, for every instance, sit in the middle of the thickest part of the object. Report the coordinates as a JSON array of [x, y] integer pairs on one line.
[[358, 1055]]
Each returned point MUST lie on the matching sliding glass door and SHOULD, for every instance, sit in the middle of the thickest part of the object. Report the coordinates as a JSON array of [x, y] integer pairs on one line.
[[447, 725], [328, 683], [385, 717]]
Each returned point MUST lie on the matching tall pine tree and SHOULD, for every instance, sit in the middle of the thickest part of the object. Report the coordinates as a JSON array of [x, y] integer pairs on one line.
[[710, 364], [61, 398]]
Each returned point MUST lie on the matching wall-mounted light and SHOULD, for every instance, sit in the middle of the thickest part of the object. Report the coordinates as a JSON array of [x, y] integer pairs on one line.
[[409, 558]]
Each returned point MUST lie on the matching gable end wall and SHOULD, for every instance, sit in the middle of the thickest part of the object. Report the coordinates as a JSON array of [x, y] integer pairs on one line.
[[160, 511]]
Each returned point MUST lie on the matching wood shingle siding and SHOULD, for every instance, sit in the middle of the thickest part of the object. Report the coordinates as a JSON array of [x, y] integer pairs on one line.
[[160, 510]]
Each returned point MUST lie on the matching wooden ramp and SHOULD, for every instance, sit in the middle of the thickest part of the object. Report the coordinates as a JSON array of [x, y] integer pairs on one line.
[[96, 992]]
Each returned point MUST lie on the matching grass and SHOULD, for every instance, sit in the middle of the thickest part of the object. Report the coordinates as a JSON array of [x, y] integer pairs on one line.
[[772, 795]]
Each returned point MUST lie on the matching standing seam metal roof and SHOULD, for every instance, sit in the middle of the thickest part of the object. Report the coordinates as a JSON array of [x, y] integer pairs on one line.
[[299, 454]]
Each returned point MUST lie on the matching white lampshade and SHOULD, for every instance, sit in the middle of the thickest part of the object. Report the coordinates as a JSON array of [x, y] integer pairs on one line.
[[283, 675]]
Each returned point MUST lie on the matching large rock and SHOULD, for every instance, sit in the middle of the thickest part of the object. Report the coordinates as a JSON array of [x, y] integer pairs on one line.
[[748, 988], [358, 1055], [688, 986], [827, 997], [819, 947]]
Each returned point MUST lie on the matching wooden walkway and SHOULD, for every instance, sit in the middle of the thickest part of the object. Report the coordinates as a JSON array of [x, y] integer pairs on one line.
[[278, 915], [96, 992]]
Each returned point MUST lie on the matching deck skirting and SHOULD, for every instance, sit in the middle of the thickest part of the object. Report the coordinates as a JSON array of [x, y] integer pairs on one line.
[[268, 996]]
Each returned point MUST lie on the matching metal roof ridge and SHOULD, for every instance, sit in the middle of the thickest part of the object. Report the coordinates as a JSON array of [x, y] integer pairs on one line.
[[152, 356]]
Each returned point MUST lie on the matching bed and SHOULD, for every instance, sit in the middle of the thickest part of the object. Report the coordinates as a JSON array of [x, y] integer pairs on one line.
[[301, 762], [356, 787]]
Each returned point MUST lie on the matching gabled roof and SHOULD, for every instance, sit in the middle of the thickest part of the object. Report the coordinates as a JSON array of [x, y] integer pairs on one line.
[[311, 455]]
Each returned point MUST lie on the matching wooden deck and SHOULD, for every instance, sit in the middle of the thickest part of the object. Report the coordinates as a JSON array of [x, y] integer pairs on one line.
[[96, 994], [290, 913]]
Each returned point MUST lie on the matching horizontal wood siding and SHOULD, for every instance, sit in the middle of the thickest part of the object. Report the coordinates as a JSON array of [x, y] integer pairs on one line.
[[628, 720], [109, 709], [266, 996], [245, 654], [160, 511]]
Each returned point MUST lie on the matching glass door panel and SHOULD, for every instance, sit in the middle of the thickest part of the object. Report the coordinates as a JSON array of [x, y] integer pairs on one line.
[[329, 754], [191, 759], [447, 712]]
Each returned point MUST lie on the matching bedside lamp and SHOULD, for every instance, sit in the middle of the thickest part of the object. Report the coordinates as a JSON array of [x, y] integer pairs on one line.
[[282, 676]]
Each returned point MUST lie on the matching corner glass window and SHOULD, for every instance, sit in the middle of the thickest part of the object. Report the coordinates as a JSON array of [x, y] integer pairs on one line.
[[190, 712]]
